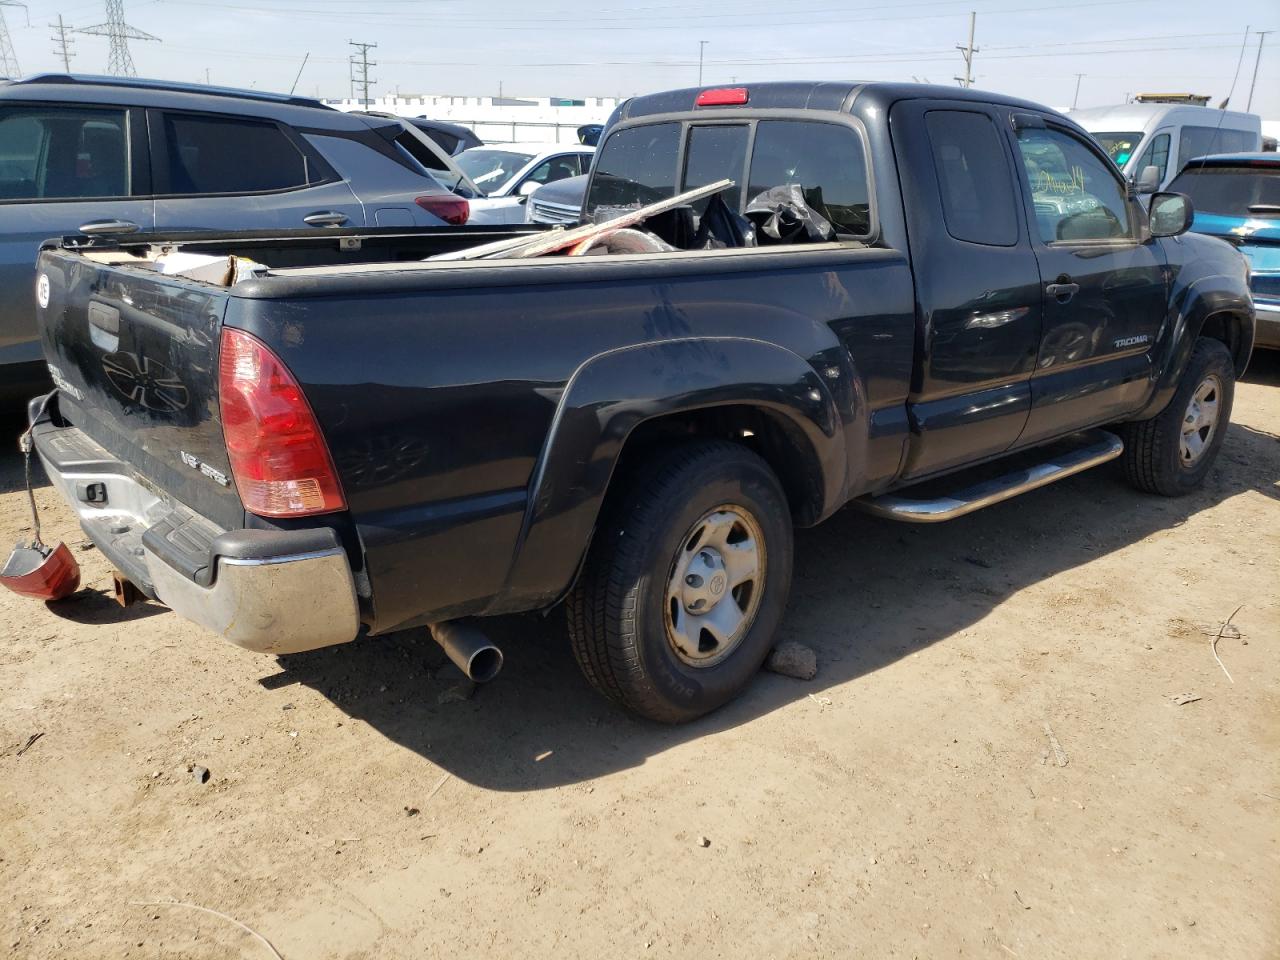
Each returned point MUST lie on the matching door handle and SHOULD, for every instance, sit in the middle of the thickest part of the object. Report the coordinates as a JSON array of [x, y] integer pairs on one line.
[[98, 228], [325, 218], [1062, 291]]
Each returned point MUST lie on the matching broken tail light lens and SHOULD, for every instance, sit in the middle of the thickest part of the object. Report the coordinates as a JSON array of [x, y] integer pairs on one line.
[[279, 458], [723, 97], [452, 210]]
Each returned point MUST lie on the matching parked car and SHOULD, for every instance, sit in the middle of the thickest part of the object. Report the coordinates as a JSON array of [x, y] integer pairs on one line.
[[507, 173], [557, 202], [1167, 135], [110, 155], [1237, 198], [589, 133], [333, 445]]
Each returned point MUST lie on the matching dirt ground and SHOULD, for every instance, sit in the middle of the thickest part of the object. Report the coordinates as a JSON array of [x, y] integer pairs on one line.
[[909, 802]]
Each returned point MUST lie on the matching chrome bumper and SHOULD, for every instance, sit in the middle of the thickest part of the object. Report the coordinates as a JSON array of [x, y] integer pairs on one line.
[[1266, 323], [256, 588]]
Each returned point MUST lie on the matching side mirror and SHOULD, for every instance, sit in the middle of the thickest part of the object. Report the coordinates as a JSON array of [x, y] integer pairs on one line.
[[528, 187], [1171, 214], [1148, 180]]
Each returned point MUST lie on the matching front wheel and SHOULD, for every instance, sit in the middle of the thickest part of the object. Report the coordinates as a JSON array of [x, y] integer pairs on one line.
[[685, 582], [1172, 453]]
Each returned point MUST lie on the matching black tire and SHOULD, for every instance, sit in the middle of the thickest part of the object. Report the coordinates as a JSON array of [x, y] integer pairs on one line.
[[618, 610], [1153, 458]]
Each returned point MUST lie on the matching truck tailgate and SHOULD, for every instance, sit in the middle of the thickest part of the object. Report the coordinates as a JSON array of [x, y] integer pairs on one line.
[[134, 354]]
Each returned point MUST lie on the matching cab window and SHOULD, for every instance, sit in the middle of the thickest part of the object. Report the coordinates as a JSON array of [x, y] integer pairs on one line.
[[1077, 194], [636, 166], [825, 159], [58, 153]]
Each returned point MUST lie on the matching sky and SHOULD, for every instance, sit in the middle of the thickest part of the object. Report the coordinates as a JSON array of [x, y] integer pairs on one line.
[[597, 48]]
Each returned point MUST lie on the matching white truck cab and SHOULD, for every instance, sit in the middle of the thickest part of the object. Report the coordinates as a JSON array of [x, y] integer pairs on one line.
[[1167, 130]]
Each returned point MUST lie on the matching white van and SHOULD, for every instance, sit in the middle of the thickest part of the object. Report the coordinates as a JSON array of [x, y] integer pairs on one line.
[[1167, 135]]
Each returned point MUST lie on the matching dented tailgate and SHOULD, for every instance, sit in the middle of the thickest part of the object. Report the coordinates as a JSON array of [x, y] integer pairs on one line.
[[135, 357]]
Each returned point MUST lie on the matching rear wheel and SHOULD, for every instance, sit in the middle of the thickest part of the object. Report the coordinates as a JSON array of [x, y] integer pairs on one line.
[[1172, 453], [685, 583]]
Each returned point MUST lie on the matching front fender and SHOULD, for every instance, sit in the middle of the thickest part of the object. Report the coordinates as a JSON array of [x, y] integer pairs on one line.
[[1219, 291], [610, 395]]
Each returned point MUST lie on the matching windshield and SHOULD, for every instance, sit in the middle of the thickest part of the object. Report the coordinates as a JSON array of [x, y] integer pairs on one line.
[[1119, 146], [491, 169], [1231, 191]]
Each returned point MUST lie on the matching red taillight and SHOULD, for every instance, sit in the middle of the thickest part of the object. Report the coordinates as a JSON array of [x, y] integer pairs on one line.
[[279, 459], [454, 210], [722, 97]]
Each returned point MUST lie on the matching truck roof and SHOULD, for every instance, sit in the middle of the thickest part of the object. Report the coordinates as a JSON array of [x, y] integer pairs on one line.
[[811, 95]]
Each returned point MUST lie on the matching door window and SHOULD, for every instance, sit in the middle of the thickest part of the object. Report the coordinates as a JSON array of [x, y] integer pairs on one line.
[[1077, 194], [63, 154], [216, 155], [825, 159], [1157, 154], [973, 178], [714, 153]]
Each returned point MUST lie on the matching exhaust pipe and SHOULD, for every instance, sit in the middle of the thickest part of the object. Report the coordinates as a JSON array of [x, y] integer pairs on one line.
[[468, 648]]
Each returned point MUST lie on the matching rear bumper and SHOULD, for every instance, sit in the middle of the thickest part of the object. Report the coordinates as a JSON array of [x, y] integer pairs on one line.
[[1266, 323], [271, 591]]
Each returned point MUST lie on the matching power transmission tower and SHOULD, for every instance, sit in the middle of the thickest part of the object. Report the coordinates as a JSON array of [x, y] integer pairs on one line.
[[360, 61], [1262, 38], [119, 60], [967, 52], [8, 59], [64, 45]]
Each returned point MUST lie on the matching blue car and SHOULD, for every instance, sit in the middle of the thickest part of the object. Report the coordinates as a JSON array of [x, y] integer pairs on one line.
[[1237, 198]]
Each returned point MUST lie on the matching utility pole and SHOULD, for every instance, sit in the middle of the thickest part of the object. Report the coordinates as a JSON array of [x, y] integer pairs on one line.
[[119, 60], [8, 59], [361, 60], [702, 45], [1076, 99], [967, 52], [1262, 37], [64, 45]]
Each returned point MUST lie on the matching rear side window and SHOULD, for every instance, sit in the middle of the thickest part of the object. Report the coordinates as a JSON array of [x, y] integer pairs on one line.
[[1202, 141], [973, 178], [825, 159], [716, 153], [56, 153], [216, 155], [636, 166], [1157, 155]]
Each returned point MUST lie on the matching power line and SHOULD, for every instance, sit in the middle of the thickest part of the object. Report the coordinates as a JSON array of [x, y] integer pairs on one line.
[[361, 60], [64, 43], [8, 59], [119, 60]]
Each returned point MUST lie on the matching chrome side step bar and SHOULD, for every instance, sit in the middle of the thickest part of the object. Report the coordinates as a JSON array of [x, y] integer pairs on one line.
[[1097, 447]]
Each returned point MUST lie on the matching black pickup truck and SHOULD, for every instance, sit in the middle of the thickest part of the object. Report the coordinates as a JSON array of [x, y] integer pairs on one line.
[[358, 437]]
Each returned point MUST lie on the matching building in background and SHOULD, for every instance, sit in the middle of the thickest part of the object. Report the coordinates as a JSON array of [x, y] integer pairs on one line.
[[499, 119]]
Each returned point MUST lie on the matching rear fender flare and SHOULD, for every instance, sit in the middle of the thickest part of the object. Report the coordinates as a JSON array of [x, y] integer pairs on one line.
[[613, 393]]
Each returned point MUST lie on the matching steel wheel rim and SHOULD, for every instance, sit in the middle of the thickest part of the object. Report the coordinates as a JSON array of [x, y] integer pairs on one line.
[[715, 586], [1200, 420]]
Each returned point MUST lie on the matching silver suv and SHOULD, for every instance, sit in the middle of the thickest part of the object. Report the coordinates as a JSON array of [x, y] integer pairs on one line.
[[109, 155]]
